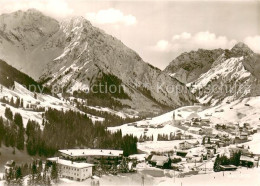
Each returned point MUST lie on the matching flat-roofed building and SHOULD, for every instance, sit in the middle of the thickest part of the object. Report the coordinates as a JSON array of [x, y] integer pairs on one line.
[[73, 170]]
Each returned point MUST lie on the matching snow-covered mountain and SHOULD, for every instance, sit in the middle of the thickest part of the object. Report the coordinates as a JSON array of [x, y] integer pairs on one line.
[[28, 40], [233, 75], [78, 55], [190, 65]]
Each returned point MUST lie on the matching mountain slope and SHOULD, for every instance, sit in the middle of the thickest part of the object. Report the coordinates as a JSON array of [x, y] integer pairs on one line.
[[234, 75], [27, 40], [80, 55], [190, 65]]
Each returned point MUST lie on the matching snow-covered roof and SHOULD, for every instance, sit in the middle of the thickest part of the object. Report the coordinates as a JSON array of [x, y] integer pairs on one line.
[[246, 158], [70, 163], [157, 158], [194, 129], [91, 152], [193, 115]]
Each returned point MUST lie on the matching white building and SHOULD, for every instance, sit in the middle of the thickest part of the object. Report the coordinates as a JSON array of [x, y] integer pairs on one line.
[[195, 130], [73, 170]]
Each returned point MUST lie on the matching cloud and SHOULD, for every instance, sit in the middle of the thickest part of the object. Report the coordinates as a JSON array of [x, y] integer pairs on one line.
[[111, 16], [162, 45], [253, 42], [184, 35], [57, 8], [187, 41]]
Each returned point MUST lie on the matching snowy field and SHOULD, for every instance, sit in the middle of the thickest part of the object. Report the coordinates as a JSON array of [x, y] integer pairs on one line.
[[160, 146], [236, 111], [241, 177]]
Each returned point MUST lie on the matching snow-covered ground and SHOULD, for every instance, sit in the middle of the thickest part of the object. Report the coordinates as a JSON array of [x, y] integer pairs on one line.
[[160, 146], [153, 176], [44, 100], [165, 120], [236, 112]]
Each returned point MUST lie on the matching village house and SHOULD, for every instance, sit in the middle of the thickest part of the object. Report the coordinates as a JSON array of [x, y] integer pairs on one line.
[[207, 130], [187, 145], [9, 164], [159, 161], [243, 151], [181, 153], [247, 161], [186, 136], [193, 159], [108, 157], [73, 170], [195, 130]]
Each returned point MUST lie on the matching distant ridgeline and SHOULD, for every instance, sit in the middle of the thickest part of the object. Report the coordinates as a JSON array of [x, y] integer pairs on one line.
[[9, 75]]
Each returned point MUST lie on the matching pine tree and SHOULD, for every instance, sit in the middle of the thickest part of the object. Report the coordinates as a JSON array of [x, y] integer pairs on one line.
[[18, 173], [203, 141], [21, 104], [54, 172], [216, 167], [12, 101], [18, 120], [209, 142], [8, 113]]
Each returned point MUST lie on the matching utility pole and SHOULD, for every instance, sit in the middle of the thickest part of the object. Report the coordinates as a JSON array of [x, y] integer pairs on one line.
[[205, 168], [142, 180], [174, 176]]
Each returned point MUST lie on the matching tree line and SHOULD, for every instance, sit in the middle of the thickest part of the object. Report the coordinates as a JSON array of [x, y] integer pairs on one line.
[[61, 130]]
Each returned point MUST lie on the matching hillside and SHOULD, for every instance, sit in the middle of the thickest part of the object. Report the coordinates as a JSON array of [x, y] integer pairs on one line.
[[188, 66], [231, 77]]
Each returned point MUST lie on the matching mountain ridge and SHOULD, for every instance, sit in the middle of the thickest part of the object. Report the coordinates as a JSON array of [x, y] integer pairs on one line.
[[73, 55]]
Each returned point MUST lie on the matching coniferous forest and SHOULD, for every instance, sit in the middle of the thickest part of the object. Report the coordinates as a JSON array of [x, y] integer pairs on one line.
[[61, 129]]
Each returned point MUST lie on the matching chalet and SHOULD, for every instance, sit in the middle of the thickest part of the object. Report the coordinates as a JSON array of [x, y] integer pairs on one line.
[[205, 120], [247, 161], [10, 164], [177, 166], [220, 110], [207, 130], [243, 151], [159, 161], [33, 106], [109, 157], [181, 153], [194, 159], [185, 145], [243, 136], [73, 170], [193, 116], [195, 130], [186, 136]]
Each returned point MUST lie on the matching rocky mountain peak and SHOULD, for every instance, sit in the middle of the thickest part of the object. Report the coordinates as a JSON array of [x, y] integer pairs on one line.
[[241, 49], [190, 65], [26, 21]]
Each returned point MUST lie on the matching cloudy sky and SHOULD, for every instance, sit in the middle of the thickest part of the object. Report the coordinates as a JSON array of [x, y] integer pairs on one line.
[[161, 30]]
